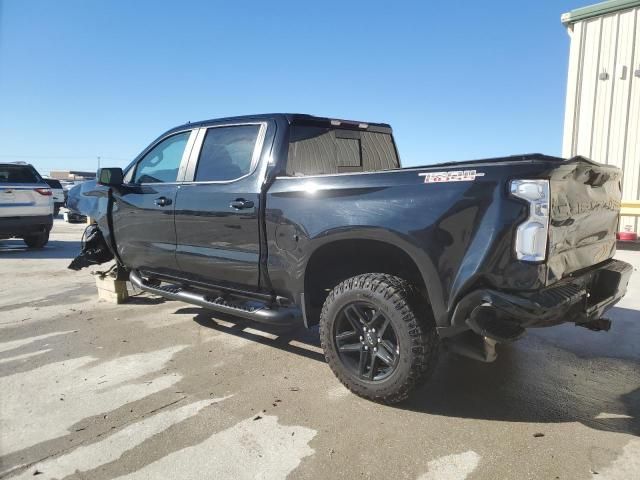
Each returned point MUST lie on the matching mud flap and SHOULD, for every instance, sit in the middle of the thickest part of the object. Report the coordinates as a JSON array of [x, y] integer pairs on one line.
[[94, 250]]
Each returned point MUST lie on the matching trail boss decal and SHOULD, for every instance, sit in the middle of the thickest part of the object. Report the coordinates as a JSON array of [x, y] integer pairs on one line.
[[454, 176]]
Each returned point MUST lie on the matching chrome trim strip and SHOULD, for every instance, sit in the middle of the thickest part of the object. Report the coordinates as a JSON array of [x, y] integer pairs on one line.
[[195, 153], [186, 155]]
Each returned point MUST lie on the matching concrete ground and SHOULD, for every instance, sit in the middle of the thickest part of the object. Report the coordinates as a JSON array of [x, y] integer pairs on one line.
[[157, 389]]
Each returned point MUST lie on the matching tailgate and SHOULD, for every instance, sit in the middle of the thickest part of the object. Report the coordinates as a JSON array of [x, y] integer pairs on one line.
[[20, 200], [585, 205]]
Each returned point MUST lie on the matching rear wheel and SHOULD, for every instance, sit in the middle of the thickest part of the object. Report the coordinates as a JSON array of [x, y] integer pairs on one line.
[[378, 336], [37, 240]]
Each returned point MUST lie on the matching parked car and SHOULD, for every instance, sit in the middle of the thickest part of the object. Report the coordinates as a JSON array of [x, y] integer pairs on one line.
[[72, 212], [284, 218], [58, 193], [69, 185], [26, 204]]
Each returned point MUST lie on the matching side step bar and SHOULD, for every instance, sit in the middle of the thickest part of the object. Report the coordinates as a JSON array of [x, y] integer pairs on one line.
[[259, 313]]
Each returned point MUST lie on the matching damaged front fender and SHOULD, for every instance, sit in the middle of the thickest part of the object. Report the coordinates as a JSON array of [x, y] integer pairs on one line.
[[94, 201]]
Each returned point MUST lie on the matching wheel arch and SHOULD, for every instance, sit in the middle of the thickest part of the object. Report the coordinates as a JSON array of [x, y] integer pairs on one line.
[[352, 255]]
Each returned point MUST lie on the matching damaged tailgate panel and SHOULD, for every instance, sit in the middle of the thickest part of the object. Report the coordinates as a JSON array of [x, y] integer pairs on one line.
[[585, 203]]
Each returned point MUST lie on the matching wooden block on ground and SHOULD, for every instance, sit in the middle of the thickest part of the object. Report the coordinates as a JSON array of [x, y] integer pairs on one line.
[[110, 290]]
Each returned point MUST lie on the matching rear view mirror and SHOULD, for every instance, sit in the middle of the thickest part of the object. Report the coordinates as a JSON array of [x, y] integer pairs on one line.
[[111, 177]]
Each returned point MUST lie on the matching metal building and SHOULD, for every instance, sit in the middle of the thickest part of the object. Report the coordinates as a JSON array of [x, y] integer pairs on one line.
[[602, 116], [72, 175]]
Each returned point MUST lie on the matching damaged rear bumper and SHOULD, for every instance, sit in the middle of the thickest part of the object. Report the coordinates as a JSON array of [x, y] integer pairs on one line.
[[582, 298]]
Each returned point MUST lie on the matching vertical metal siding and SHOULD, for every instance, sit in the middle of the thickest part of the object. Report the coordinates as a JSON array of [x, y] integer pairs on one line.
[[573, 90], [630, 188], [604, 89], [602, 116]]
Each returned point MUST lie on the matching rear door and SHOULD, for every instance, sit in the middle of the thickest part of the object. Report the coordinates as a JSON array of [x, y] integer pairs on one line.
[[143, 211], [217, 208], [23, 192]]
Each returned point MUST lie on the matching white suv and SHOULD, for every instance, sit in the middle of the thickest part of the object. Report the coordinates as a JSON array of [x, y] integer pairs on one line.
[[26, 204], [59, 195]]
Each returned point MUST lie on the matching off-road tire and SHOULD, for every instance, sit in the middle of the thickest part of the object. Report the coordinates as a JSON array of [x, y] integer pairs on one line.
[[412, 319], [36, 240]]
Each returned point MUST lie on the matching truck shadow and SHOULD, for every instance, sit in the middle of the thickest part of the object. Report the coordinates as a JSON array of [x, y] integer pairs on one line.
[[293, 339], [522, 388], [536, 380]]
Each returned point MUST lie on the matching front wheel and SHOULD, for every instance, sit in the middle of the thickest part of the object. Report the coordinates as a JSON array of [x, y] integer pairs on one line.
[[37, 240], [378, 336]]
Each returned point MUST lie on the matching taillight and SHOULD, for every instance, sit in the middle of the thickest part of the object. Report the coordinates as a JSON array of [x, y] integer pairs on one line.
[[532, 234], [44, 191]]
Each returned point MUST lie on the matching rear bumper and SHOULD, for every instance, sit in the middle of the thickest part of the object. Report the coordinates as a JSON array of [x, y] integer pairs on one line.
[[584, 297], [19, 226]]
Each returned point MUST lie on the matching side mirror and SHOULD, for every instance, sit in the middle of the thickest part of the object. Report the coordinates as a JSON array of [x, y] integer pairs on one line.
[[111, 177]]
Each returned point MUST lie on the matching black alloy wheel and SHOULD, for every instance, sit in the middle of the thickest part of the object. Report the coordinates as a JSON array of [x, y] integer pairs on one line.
[[379, 336], [366, 341]]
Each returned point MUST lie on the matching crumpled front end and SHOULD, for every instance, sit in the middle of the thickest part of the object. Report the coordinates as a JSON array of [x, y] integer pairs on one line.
[[93, 201], [94, 249]]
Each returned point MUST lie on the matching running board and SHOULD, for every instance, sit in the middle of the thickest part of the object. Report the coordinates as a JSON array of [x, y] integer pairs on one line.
[[257, 311]]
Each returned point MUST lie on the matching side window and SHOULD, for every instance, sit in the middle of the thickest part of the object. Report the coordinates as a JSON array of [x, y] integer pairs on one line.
[[161, 164], [227, 153], [312, 151], [315, 150]]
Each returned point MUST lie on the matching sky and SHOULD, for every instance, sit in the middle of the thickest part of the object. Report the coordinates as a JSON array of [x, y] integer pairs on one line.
[[456, 80]]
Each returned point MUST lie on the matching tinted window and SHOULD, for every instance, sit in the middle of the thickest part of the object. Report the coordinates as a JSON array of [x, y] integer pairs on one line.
[[161, 164], [317, 150], [227, 153], [53, 183], [19, 174]]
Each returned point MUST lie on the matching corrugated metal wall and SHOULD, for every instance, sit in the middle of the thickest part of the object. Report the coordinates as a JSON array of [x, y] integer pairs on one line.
[[602, 117]]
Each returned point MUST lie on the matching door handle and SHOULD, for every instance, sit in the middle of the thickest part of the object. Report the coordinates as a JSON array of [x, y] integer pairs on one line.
[[240, 203], [163, 201]]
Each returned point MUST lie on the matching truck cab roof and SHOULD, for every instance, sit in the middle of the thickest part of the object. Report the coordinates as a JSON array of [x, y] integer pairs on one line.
[[289, 118]]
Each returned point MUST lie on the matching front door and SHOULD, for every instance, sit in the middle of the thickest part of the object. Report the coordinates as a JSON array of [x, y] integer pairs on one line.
[[143, 211], [217, 220]]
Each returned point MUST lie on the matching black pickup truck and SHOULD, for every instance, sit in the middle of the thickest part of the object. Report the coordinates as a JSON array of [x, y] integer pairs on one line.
[[282, 218]]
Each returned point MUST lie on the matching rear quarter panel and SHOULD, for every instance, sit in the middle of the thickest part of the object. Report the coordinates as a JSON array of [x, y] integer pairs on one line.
[[459, 233]]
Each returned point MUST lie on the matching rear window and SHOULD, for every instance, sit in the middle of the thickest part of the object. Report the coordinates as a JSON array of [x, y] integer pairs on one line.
[[19, 174], [317, 150], [53, 183]]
